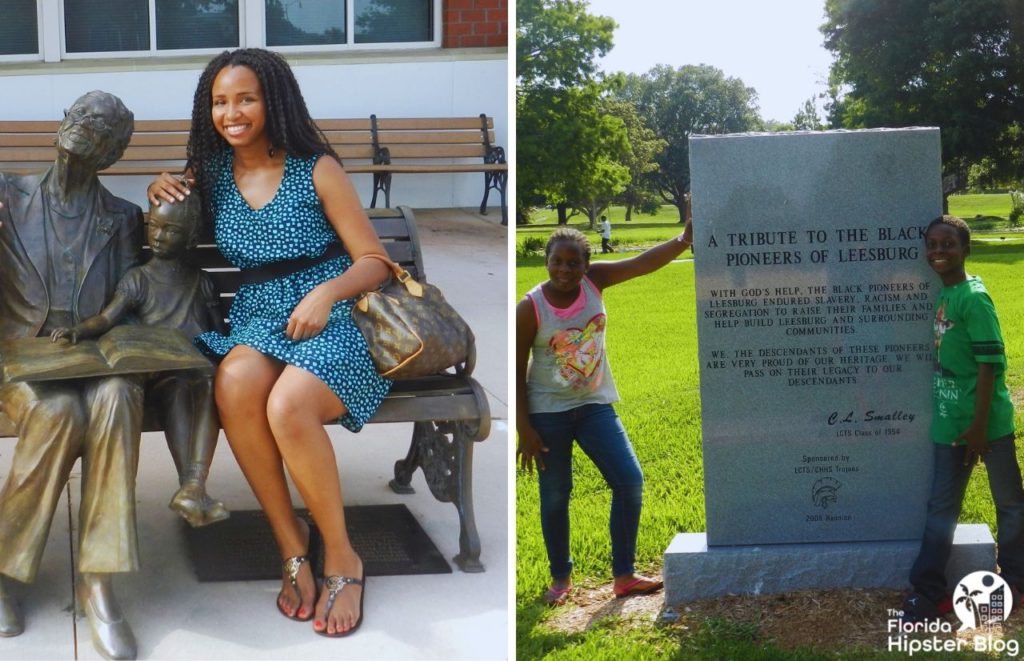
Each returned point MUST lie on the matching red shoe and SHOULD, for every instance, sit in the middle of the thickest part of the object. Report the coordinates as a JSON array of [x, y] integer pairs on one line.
[[557, 596], [639, 585]]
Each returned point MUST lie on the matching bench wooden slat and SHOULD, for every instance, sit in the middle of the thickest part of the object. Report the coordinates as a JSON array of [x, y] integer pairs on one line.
[[455, 407], [429, 168], [29, 126], [422, 123], [432, 138], [437, 151], [343, 124]]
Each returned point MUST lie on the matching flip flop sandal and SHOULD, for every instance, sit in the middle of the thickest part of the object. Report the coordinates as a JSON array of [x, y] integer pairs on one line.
[[633, 588], [334, 585], [291, 568], [557, 596]]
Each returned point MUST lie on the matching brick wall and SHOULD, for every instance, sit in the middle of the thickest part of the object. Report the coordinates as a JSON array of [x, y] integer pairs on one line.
[[472, 23]]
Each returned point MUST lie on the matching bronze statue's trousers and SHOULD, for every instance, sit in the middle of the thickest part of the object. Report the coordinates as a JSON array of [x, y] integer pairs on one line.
[[99, 420]]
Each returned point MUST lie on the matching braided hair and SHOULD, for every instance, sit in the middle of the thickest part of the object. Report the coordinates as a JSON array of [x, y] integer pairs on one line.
[[569, 235], [289, 124]]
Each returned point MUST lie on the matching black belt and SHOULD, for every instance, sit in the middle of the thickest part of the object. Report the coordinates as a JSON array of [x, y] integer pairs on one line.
[[288, 266]]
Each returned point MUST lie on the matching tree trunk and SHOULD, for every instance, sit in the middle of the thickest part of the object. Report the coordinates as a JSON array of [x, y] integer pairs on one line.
[[592, 212], [681, 207], [562, 213], [629, 212]]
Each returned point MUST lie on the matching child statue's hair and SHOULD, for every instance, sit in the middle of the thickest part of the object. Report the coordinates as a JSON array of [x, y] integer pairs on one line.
[[188, 212]]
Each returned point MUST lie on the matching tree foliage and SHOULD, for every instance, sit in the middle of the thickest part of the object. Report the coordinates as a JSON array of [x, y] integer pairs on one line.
[[677, 103], [641, 160], [557, 41], [569, 151], [947, 63], [806, 119]]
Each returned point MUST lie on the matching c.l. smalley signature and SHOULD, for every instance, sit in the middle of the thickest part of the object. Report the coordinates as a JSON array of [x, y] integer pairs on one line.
[[871, 415]]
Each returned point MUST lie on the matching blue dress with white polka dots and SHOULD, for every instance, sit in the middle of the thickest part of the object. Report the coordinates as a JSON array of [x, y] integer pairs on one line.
[[290, 226]]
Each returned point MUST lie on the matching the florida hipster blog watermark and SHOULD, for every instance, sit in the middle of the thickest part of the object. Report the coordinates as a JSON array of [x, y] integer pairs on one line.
[[982, 601]]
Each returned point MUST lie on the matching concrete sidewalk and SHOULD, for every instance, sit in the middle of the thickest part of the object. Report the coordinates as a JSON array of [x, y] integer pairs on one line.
[[444, 616]]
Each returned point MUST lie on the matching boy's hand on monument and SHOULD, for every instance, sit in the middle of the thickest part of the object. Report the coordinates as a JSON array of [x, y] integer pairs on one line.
[[530, 449]]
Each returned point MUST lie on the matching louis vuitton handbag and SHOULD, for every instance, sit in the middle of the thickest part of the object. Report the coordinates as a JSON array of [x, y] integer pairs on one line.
[[410, 329]]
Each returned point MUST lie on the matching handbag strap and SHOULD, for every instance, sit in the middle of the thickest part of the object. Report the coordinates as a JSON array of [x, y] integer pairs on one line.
[[400, 274]]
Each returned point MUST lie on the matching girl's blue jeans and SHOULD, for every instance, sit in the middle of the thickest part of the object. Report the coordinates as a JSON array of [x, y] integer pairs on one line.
[[599, 432], [949, 482]]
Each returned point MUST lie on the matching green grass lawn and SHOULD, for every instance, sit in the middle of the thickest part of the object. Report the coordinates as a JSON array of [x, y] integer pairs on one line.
[[981, 211], [652, 347]]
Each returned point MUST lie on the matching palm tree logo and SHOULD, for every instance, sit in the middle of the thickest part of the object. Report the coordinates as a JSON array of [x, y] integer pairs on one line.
[[982, 599], [969, 598]]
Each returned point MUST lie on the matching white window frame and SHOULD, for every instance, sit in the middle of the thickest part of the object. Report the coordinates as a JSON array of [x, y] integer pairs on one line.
[[251, 34], [152, 52], [259, 11], [38, 55]]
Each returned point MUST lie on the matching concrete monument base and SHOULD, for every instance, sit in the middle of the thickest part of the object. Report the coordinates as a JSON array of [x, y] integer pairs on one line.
[[694, 571]]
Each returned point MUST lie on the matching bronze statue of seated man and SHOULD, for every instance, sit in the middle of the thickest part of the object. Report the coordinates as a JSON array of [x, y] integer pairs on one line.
[[65, 242]]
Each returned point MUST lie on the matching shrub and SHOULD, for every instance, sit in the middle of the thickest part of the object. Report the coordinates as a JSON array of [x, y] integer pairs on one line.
[[531, 245]]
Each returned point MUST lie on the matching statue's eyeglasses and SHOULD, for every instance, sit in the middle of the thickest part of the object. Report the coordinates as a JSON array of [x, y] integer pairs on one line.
[[95, 122]]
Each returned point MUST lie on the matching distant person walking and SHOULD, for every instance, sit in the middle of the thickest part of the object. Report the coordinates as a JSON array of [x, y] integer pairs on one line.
[[606, 235], [565, 392]]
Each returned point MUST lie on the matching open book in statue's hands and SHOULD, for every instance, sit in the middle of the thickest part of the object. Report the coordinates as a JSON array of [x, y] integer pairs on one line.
[[121, 350]]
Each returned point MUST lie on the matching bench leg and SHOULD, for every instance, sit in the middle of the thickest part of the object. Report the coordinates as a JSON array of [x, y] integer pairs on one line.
[[404, 468], [468, 558], [499, 182], [445, 453], [381, 182]]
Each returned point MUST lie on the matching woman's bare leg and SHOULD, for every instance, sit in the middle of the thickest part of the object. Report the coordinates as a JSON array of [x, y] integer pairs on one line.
[[242, 386], [299, 405]]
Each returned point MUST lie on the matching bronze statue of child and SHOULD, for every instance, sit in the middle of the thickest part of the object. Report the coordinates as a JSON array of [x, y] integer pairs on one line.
[[166, 291]]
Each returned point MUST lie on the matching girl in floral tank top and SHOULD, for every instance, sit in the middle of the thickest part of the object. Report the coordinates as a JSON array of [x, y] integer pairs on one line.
[[565, 392]]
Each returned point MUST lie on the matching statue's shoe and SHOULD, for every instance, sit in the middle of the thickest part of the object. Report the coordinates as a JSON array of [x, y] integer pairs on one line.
[[12, 621], [111, 635]]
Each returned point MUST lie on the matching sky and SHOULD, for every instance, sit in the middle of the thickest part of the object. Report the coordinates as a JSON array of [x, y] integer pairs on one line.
[[773, 46]]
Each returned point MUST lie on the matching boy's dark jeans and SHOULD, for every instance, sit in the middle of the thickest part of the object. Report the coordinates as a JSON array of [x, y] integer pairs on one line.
[[949, 481]]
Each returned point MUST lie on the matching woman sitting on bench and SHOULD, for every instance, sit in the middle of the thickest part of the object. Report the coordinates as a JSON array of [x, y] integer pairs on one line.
[[286, 214]]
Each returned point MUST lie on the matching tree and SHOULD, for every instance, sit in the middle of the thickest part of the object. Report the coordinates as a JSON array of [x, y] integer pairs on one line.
[[556, 42], [568, 151], [806, 119], [955, 65], [677, 103], [643, 148]]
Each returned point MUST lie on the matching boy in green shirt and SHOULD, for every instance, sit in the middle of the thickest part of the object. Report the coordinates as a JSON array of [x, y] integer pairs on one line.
[[972, 419]]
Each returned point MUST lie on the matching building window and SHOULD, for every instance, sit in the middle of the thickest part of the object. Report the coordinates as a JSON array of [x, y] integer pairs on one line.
[[124, 26], [392, 21], [293, 23], [196, 25], [19, 28]]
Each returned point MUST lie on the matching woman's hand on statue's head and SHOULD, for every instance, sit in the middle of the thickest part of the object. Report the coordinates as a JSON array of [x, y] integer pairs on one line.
[[168, 188]]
